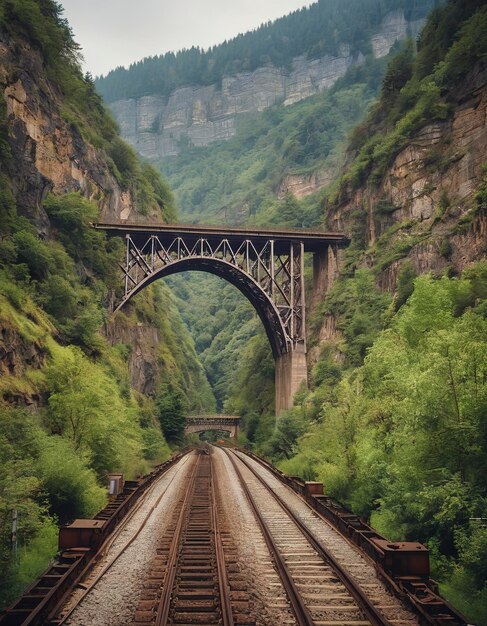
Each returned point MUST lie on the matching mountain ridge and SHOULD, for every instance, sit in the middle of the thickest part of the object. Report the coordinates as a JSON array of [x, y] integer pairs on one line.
[[200, 111]]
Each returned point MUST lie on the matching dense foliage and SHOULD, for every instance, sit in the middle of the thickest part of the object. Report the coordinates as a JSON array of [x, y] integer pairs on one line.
[[52, 306], [171, 412], [315, 31], [221, 322], [402, 439]]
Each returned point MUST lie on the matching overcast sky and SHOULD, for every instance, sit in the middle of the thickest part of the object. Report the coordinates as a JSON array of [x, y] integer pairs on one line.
[[118, 32]]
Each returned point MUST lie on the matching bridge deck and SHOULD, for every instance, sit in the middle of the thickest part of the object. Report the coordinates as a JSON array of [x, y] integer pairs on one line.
[[313, 240]]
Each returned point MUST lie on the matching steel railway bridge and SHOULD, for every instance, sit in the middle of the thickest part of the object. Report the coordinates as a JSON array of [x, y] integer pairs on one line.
[[267, 266]]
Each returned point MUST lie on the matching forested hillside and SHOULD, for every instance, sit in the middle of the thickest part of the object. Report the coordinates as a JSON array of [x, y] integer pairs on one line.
[[315, 31], [76, 388], [246, 179]]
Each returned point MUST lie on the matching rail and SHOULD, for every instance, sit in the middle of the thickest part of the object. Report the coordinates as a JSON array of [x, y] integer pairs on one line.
[[195, 587], [402, 565], [301, 611], [44, 597]]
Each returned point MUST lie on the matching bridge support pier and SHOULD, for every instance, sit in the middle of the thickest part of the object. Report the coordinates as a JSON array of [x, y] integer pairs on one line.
[[291, 369], [291, 372]]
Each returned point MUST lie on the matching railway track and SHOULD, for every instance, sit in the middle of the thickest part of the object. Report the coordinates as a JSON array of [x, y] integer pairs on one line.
[[193, 579], [310, 574], [320, 589], [400, 569]]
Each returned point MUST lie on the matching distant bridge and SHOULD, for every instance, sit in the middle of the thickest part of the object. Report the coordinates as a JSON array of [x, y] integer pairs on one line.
[[267, 266], [201, 423]]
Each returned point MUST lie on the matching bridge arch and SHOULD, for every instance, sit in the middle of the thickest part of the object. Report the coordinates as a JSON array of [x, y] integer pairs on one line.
[[219, 423], [267, 266], [247, 285]]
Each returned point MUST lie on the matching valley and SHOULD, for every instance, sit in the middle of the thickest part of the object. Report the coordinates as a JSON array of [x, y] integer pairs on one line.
[[366, 118]]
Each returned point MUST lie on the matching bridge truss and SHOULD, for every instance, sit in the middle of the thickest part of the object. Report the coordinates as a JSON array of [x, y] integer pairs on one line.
[[267, 266], [259, 266]]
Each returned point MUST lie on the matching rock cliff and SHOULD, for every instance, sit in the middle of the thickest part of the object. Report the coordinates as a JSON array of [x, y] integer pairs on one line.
[[424, 210], [429, 195], [49, 154], [203, 114], [48, 151]]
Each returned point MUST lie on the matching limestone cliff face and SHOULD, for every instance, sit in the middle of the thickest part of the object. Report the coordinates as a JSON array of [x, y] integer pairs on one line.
[[49, 154], [432, 184], [155, 125], [302, 185], [430, 188]]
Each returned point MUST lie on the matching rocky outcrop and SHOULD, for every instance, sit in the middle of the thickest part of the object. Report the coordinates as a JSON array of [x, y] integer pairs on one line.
[[429, 195], [301, 185], [206, 114], [394, 27], [48, 151], [17, 356], [142, 360], [201, 115]]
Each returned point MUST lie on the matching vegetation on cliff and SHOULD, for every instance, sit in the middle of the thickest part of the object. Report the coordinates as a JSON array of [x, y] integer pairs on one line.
[[418, 89], [221, 322], [237, 180], [68, 411], [42, 26], [315, 31]]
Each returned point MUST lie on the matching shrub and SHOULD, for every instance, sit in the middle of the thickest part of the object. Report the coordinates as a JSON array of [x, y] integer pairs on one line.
[[405, 283], [34, 253]]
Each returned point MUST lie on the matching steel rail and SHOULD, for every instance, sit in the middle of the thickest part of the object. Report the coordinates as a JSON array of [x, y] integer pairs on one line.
[[224, 587], [299, 608], [372, 613], [170, 574], [105, 547]]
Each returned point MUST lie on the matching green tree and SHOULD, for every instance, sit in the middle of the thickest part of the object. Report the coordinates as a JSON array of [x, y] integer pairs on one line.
[[86, 406], [360, 307], [171, 413], [405, 283]]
